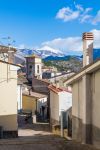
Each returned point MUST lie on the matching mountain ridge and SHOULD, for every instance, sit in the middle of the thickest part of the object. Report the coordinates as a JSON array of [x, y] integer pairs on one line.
[[47, 55]]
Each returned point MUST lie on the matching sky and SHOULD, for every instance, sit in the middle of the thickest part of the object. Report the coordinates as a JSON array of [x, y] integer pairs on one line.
[[55, 23]]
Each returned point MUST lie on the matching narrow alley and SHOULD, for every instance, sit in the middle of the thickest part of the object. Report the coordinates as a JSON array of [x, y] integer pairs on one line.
[[38, 137]]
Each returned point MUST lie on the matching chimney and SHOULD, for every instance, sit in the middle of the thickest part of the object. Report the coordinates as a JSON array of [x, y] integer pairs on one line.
[[10, 57], [87, 48]]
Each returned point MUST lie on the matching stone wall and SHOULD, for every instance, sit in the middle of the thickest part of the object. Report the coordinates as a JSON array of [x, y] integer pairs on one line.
[[41, 86]]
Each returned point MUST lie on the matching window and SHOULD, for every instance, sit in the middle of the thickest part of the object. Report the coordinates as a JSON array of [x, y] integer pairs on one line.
[[30, 66], [37, 68]]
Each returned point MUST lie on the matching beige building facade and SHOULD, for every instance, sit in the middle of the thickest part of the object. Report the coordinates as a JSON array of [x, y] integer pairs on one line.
[[8, 99], [86, 104]]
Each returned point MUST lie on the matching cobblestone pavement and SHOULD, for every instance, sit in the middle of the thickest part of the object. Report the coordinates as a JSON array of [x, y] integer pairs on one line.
[[42, 142], [38, 137], [29, 129]]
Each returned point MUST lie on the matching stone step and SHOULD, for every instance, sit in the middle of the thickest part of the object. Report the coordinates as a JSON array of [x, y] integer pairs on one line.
[[32, 140]]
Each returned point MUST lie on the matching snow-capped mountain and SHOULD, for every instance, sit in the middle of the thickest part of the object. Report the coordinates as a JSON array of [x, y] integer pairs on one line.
[[19, 58], [48, 51], [42, 52]]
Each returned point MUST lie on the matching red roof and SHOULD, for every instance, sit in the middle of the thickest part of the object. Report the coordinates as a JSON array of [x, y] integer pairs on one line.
[[57, 90]]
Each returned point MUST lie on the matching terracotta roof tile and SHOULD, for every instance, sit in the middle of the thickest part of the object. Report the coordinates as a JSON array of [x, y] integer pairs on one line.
[[57, 90]]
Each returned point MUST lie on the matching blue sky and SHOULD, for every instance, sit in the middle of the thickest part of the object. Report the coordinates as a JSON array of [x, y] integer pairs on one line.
[[54, 23]]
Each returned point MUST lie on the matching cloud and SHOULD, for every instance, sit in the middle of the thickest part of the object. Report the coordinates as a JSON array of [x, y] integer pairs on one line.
[[83, 15], [67, 14], [21, 46], [79, 7], [96, 38], [96, 19], [85, 18], [25, 46], [72, 43], [65, 44]]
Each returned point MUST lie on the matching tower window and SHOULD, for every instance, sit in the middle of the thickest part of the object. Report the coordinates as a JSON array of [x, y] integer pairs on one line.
[[37, 68], [30, 66]]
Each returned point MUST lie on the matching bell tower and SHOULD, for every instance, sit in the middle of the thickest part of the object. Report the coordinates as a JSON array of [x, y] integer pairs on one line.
[[33, 67]]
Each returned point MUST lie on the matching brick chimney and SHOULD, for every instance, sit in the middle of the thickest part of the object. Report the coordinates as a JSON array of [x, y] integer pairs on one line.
[[88, 38], [11, 56]]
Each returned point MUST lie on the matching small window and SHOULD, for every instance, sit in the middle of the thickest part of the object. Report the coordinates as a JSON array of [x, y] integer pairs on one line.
[[37, 68], [30, 66]]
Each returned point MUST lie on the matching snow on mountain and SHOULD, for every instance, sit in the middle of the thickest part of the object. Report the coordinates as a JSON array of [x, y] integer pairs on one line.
[[26, 52], [48, 53], [49, 49], [19, 58], [42, 52]]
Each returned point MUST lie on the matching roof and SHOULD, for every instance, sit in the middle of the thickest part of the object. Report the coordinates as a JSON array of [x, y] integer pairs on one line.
[[46, 67], [57, 90], [20, 65], [61, 75], [44, 80], [33, 56], [17, 65], [5, 49], [86, 70], [34, 94]]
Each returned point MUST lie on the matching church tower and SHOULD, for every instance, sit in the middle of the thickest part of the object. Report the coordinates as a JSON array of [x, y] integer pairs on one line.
[[33, 67]]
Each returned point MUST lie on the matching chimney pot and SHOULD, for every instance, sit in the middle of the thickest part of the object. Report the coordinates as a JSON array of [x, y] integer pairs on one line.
[[88, 38]]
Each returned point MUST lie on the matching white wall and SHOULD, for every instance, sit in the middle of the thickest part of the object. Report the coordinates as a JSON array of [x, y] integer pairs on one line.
[[8, 96], [19, 97], [8, 90], [59, 101], [54, 106], [65, 101]]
